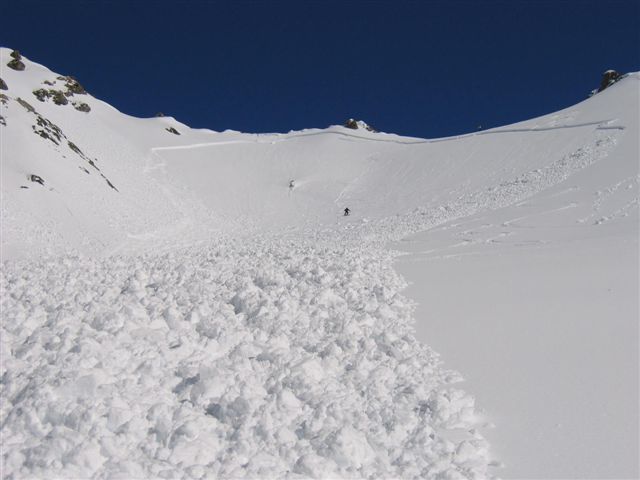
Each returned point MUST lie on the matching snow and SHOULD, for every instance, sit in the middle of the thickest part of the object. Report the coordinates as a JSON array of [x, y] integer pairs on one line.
[[547, 334], [207, 320], [226, 360]]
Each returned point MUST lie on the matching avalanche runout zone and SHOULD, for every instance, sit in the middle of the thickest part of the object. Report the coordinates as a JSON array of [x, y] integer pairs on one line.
[[281, 357], [271, 359]]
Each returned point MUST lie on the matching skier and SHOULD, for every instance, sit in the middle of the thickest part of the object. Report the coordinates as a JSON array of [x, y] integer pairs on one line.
[[346, 212]]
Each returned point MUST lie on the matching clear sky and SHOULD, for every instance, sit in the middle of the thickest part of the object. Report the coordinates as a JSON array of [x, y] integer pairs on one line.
[[427, 69]]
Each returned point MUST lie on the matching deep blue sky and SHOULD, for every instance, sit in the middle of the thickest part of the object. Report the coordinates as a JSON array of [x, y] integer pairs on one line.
[[425, 69]]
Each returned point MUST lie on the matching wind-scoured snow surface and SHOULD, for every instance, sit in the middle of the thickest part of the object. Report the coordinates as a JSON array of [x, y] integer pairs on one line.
[[194, 305]]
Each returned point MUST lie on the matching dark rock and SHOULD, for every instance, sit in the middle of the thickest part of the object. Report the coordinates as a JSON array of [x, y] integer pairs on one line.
[[3, 121], [172, 130], [74, 87], [75, 148], [4, 99], [109, 183], [609, 78], [41, 94], [3, 85], [159, 114], [351, 123], [82, 107], [16, 54], [23, 186], [48, 130], [26, 105], [37, 179], [16, 65], [357, 124], [58, 97], [47, 82]]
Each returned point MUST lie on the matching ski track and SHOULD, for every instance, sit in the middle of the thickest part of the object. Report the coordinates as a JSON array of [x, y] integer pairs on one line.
[[287, 355]]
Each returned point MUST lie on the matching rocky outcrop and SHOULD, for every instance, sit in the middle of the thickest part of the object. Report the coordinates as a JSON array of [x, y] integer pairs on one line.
[[358, 124], [69, 88], [351, 123], [41, 94], [81, 107], [27, 106], [16, 63], [609, 78], [47, 130], [57, 96], [3, 85], [172, 130], [73, 86]]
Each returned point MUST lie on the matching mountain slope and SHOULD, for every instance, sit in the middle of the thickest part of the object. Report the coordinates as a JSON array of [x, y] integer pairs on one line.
[[230, 179], [547, 334], [190, 303]]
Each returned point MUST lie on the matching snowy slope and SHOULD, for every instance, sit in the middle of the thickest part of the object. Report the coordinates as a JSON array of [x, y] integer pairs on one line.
[[207, 180], [173, 305], [548, 333]]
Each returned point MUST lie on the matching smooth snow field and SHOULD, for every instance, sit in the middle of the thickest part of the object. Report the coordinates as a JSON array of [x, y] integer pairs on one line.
[[196, 305]]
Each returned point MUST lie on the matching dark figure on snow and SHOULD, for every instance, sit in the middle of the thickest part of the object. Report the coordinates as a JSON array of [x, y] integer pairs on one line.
[[346, 212]]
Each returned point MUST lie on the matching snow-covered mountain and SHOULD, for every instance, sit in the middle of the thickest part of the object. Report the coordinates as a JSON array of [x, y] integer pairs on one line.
[[189, 303], [108, 177]]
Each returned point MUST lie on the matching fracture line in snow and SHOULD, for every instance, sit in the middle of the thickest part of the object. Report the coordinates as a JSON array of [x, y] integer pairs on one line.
[[600, 125]]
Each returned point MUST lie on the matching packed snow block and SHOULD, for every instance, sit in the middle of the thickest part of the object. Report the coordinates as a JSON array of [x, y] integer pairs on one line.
[[235, 356], [349, 448]]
